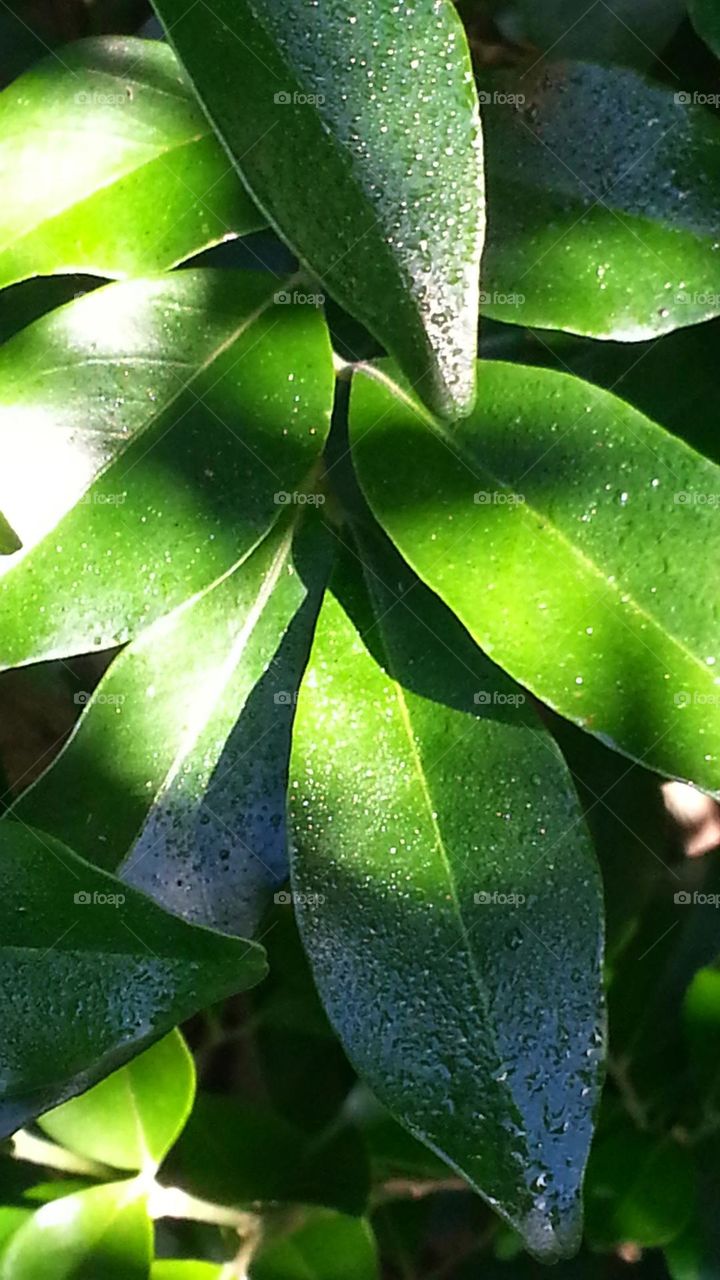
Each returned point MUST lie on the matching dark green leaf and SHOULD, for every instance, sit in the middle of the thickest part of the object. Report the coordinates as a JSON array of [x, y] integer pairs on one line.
[[629, 31], [639, 1190], [75, 939], [177, 414], [109, 166], [705, 17], [104, 1232], [180, 752], [325, 1246], [603, 191], [131, 1119], [235, 1153], [9, 540], [358, 134], [558, 524], [448, 896]]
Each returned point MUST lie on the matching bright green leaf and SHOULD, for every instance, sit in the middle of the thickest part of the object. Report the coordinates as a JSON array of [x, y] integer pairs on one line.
[[604, 190], [326, 1246], [182, 749], [181, 1269], [177, 415], [448, 896], [76, 939], [104, 1232], [131, 1119], [357, 132], [109, 167], [575, 540]]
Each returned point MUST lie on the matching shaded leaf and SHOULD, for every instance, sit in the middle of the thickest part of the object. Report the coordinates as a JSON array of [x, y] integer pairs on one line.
[[78, 941], [133, 180], [131, 1119], [448, 897], [604, 191], [316, 1249], [360, 141], [639, 1189], [705, 18], [561, 540], [172, 413]]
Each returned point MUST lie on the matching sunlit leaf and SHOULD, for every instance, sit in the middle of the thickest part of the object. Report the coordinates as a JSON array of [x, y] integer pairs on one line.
[[356, 129], [101, 1232], [131, 1119], [108, 166], [178, 415], [574, 538]]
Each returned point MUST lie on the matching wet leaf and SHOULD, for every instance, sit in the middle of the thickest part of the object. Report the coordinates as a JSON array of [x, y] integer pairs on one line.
[[131, 1119], [133, 179], [170, 419], [357, 133], [101, 1232], [448, 896], [561, 540], [603, 193], [177, 771], [93, 972]]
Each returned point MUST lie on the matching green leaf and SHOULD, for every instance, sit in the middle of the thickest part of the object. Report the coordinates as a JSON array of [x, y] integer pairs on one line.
[[562, 539], [101, 1232], [77, 939], [237, 1153], [448, 896], [9, 540], [174, 416], [640, 1189], [603, 190], [314, 1251], [133, 180], [132, 1118], [182, 748], [705, 18], [629, 32], [181, 1269], [695, 1253], [360, 140]]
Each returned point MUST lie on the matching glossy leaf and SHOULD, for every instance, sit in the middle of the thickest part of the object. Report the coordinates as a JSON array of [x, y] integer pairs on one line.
[[317, 1249], [235, 1153], [133, 180], [75, 938], [358, 135], [177, 415], [182, 1269], [561, 539], [603, 190], [131, 1119], [177, 772], [448, 897], [101, 1232], [705, 18]]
